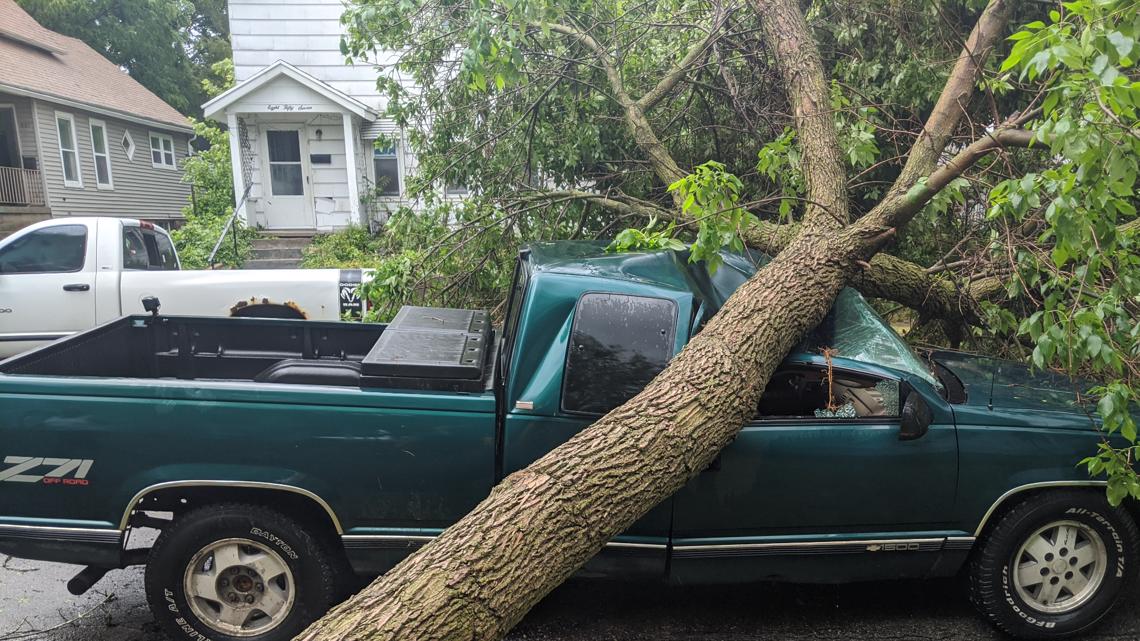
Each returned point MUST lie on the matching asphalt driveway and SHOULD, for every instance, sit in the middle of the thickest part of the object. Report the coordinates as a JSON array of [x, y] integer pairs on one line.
[[35, 605]]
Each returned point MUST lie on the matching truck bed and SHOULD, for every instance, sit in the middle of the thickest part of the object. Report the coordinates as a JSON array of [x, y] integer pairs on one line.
[[423, 348]]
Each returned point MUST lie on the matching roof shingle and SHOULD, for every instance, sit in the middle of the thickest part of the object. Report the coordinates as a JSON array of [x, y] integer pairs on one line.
[[42, 61]]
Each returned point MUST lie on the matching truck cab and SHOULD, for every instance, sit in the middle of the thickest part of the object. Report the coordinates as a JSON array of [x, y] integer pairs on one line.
[[50, 271]]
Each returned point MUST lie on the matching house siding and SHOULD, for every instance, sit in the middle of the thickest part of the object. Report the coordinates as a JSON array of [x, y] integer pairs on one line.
[[304, 33], [140, 190], [328, 186]]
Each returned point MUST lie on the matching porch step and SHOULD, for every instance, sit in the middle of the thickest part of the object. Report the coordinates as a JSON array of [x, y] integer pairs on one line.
[[282, 243], [276, 252], [272, 263]]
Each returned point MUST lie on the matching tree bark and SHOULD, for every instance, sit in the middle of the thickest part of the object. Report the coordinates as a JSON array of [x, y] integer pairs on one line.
[[538, 526], [785, 31]]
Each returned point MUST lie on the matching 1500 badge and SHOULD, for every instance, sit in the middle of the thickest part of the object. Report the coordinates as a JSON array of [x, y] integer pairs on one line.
[[51, 471]]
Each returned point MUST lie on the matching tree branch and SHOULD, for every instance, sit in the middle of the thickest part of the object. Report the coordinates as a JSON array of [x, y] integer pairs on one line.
[[897, 209], [956, 93], [674, 75]]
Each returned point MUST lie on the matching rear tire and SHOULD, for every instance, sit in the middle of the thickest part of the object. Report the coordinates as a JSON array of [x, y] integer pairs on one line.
[[235, 572], [1054, 564]]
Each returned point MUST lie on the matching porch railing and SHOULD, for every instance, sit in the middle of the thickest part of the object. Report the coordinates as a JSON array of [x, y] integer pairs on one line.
[[21, 187], [230, 227]]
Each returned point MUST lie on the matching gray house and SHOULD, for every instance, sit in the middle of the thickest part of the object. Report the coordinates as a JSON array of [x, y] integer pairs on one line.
[[78, 136]]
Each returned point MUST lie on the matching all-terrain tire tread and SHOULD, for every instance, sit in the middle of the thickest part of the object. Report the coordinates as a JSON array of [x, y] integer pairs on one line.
[[329, 581], [985, 594]]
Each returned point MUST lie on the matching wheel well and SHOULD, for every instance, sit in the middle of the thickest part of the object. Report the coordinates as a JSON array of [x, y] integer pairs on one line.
[[299, 506], [1008, 502], [265, 308]]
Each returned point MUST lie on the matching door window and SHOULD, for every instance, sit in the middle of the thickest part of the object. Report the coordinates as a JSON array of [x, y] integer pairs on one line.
[[9, 142], [617, 345], [285, 175], [51, 250], [804, 392]]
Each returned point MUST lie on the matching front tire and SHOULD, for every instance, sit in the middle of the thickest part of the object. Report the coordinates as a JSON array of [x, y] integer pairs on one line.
[[1054, 565], [238, 573]]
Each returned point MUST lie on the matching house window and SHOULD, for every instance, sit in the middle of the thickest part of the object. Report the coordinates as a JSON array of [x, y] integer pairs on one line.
[[457, 189], [128, 144], [68, 156], [386, 168], [162, 151], [99, 151]]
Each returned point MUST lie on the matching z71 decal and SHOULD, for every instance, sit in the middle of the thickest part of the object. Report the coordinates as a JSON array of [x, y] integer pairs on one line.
[[51, 471]]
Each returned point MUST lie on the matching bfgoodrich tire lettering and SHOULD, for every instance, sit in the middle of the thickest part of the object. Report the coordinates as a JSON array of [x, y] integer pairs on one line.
[[233, 545], [1045, 525]]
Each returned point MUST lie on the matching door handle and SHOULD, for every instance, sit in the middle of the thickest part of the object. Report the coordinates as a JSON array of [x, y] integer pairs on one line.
[[76, 287]]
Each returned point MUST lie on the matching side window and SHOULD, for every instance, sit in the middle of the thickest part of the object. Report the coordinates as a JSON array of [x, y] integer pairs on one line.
[[134, 249], [514, 308], [167, 257], [51, 250], [618, 343], [809, 392]]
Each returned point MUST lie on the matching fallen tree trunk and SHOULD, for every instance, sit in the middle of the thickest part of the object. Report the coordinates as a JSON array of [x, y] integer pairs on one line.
[[542, 523]]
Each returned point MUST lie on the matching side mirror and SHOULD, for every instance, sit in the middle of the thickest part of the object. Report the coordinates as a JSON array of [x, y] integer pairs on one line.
[[916, 417], [151, 304]]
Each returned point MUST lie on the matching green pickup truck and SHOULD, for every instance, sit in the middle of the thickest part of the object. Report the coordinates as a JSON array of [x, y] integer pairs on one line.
[[280, 459]]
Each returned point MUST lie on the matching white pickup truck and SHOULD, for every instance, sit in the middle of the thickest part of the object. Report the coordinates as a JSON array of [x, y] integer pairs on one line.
[[66, 275]]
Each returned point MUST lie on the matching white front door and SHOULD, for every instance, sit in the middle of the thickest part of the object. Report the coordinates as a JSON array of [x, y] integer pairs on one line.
[[288, 204]]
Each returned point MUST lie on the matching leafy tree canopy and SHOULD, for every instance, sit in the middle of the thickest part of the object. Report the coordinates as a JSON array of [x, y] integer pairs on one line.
[[572, 119], [168, 46]]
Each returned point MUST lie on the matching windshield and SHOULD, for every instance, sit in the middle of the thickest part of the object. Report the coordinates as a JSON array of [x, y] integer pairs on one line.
[[855, 331]]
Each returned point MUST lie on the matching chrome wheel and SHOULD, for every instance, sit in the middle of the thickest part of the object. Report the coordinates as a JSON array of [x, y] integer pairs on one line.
[[1060, 567], [239, 587]]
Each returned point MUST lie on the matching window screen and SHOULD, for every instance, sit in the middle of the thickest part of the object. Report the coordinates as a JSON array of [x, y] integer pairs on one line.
[[51, 250], [617, 345]]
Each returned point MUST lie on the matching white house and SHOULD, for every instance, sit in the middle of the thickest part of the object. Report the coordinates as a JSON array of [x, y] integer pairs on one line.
[[303, 124]]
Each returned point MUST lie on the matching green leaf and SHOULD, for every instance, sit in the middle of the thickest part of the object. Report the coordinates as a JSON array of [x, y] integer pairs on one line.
[[1122, 43]]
